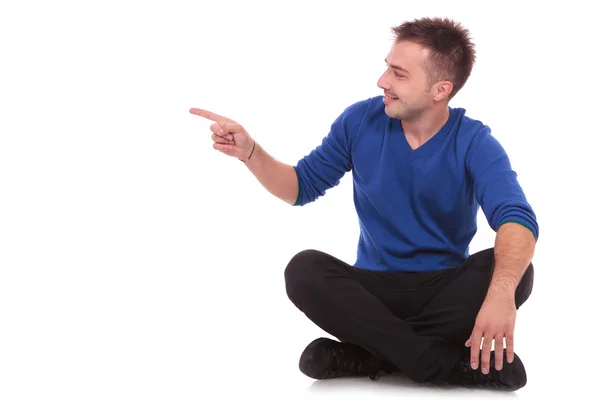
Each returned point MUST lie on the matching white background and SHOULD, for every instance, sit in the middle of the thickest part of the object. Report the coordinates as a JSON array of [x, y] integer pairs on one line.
[[136, 262]]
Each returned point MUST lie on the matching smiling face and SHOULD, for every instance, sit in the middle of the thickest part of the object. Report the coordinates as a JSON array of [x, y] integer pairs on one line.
[[406, 83]]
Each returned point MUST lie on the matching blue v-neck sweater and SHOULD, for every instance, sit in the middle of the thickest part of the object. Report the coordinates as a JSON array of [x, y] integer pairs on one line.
[[417, 209]]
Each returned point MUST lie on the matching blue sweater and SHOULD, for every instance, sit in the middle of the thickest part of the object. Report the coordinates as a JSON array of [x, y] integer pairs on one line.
[[417, 209]]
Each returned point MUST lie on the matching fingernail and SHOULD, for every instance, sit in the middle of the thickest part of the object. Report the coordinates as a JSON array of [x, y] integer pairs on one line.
[[484, 370], [473, 365]]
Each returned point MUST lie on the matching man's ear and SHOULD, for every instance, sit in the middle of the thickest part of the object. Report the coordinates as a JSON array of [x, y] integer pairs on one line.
[[442, 90]]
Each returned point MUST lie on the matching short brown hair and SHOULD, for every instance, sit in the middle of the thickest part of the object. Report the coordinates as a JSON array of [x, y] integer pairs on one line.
[[452, 53]]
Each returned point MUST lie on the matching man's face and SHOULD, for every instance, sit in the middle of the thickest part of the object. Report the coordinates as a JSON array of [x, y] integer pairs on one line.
[[405, 79]]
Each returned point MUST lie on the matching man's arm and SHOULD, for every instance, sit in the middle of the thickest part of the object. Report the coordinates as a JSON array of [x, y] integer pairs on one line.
[[314, 174], [509, 214]]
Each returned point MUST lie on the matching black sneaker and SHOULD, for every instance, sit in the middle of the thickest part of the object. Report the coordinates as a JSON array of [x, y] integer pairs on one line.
[[325, 359], [511, 377]]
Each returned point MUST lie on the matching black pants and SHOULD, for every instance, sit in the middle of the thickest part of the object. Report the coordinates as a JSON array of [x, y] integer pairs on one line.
[[418, 321]]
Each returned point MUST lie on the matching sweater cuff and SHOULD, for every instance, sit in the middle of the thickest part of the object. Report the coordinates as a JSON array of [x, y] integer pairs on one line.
[[520, 223], [297, 203]]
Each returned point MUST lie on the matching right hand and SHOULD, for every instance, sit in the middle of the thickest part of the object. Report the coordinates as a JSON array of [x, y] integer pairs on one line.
[[229, 137]]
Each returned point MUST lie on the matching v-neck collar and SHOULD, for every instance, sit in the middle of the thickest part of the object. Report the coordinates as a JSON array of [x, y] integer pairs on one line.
[[431, 145]]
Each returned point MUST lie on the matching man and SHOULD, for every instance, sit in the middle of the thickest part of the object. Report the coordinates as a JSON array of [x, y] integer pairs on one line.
[[414, 301]]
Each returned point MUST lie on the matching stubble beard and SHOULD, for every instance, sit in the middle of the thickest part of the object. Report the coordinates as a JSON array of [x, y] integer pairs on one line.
[[404, 113]]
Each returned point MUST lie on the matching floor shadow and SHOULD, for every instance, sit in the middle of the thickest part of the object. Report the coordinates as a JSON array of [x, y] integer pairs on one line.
[[397, 383]]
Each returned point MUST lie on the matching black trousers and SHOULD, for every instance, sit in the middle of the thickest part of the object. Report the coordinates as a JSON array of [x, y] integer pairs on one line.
[[418, 321]]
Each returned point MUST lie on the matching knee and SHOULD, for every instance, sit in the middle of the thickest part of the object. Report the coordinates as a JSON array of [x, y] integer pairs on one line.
[[482, 259], [301, 272], [525, 286]]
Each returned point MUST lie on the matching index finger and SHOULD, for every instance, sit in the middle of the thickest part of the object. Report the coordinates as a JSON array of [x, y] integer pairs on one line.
[[210, 115]]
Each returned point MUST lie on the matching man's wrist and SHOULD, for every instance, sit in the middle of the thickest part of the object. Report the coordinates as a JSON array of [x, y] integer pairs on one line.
[[502, 285], [251, 153]]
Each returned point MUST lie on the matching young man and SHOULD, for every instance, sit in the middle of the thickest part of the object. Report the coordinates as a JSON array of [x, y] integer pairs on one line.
[[414, 301]]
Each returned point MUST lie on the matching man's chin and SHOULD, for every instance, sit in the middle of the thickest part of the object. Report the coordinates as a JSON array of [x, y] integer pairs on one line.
[[393, 112]]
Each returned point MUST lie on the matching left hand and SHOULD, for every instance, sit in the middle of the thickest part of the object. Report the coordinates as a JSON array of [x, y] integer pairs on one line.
[[495, 321]]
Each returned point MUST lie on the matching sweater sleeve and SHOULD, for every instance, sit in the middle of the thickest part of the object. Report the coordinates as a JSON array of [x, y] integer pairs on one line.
[[324, 166], [496, 186]]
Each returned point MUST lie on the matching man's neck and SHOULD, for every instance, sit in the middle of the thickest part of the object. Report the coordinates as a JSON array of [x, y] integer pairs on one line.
[[420, 130]]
